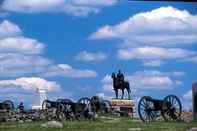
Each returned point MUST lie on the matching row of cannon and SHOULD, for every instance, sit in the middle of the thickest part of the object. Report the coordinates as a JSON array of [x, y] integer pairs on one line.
[[61, 109], [84, 108], [149, 109]]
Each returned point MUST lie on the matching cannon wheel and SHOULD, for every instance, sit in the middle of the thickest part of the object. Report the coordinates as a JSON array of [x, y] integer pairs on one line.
[[145, 109], [171, 108], [45, 104], [60, 112], [9, 104], [106, 106], [85, 100]]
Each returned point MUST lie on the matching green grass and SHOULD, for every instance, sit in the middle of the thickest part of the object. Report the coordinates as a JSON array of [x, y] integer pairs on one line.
[[103, 124]]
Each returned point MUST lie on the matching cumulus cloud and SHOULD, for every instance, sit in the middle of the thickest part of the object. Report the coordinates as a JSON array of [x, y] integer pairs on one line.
[[154, 53], [90, 56], [74, 7], [188, 95], [31, 84], [9, 29], [13, 64], [143, 83], [25, 89], [21, 56], [150, 36], [68, 71], [21, 45], [187, 100], [156, 56], [148, 80], [153, 63], [150, 28]]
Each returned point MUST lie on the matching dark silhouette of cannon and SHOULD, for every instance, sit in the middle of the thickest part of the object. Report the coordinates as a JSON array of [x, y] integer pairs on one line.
[[169, 108], [66, 108], [6, 105]]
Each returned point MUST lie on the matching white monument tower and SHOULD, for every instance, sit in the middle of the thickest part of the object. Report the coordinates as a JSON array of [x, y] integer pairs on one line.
[[39, 98]]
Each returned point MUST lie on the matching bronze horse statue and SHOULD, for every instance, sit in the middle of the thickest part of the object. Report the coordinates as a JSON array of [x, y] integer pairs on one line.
[[120, 85]]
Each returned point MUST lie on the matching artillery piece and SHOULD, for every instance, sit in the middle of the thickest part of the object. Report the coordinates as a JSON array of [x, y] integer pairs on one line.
[[66, 108], [6, 105], [95, 104], [169, 108]]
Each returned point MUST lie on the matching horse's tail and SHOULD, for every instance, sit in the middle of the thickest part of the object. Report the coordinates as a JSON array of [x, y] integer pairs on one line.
[[127, 86]]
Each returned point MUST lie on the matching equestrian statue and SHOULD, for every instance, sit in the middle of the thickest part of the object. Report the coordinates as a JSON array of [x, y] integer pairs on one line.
[[120, 83]]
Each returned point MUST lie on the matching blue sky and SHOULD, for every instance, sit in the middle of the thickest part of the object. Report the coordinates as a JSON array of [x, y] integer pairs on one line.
[[70, 48]]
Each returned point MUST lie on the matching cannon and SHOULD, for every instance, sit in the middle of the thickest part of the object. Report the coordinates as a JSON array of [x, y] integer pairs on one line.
[[6, 105], [66, 108], [169, 108], [78, 110], [53, 110], [100, 105]]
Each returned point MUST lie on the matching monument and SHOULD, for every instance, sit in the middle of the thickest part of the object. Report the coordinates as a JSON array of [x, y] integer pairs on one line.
[[40, 97], [122, 105], [194, 97]]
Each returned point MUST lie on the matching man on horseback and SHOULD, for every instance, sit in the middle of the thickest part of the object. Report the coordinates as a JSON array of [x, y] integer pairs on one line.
[[120, 78], [120, 83]]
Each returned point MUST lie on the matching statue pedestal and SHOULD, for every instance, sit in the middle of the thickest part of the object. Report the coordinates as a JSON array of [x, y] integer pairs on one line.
[[123, 106], [122, 103]]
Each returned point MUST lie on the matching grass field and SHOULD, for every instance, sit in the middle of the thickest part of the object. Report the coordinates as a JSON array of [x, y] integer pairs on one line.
[[101, 124]]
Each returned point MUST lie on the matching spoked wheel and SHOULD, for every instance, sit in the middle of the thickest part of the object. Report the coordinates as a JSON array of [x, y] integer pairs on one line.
[[60, 112], [95, 104], [46, 104], [86, 101], [9, 105], [171, 108], [146, 109], [106, 106]]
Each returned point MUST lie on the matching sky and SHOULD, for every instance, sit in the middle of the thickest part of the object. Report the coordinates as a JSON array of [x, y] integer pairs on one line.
[[70, 48]]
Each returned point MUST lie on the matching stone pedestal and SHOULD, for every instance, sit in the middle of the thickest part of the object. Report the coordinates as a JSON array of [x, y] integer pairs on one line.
[[123, 106], [194, 97], [122, 103]]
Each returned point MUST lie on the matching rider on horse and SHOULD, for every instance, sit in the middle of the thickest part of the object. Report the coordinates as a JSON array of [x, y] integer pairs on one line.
[[120, 77]]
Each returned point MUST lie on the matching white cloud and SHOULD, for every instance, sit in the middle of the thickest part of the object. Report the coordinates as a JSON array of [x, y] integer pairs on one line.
[[13, 64], [74, 7], [152, 53], [21, 45], [151, 82], [153, 63], [31, 84], [21, 56], [162, 26], [9, 29], [187, 100], [89, 56], [32, 5], [155, 56], [24, 89], [68, 71], [148, 80], [158, 73], [107, 79], [188, 95]]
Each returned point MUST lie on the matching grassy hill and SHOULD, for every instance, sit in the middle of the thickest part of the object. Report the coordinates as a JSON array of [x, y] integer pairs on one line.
[[101, 124]]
